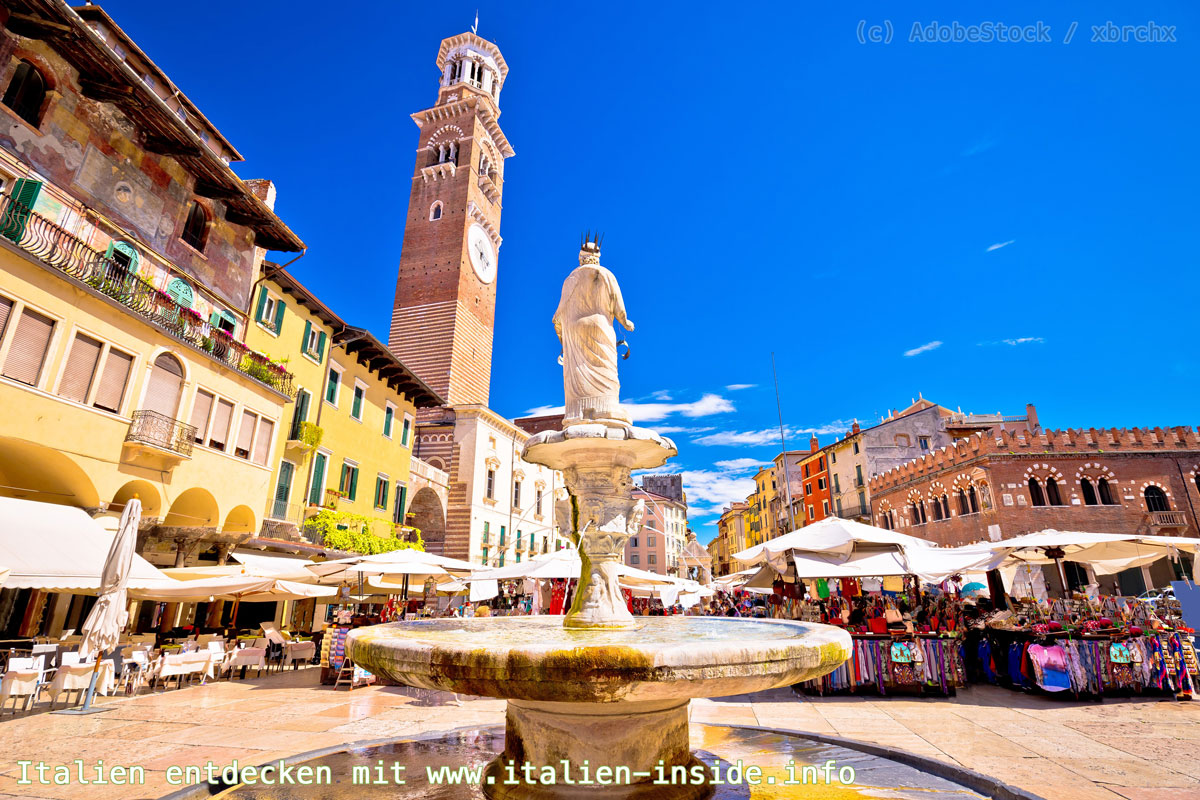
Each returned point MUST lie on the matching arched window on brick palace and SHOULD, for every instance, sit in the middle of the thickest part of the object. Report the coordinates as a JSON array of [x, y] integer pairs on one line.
[[964, 504], [195, 230], [435, 210], [1036, 497], [26, 92], [918, 512], [1098, 494], [1156, 499], [1052, 495]]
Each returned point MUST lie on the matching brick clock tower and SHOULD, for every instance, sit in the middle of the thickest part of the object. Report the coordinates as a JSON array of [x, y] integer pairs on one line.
[[445, 304]]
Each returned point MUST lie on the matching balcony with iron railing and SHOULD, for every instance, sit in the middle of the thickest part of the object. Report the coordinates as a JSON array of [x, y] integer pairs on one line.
[[158, 441], [853, 512], [69, 255]]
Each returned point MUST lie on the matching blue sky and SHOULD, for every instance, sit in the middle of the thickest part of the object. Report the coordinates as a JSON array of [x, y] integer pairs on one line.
[[988, 224]]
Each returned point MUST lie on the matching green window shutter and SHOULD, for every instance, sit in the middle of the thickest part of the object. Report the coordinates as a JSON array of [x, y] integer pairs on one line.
[[307, 331], [400, 500], [387, 421], [18, 208], [314, 495], [262, 303], [353, 483], [321, 346], [279, 307], [356, 406], [404, 432], [214, 319]]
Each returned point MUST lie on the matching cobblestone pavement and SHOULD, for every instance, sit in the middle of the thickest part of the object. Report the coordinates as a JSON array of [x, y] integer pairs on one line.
[[1139, 750]]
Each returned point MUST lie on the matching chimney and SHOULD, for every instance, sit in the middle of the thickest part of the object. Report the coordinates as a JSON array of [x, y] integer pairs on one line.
[[1031, 416], [813, 444], [263, 189], [854, 428]]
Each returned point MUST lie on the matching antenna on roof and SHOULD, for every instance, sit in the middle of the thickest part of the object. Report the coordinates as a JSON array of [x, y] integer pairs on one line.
[[475, 27]]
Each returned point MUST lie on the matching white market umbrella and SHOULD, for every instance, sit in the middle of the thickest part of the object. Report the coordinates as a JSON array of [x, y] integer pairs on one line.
[[556, 564], [104, 623], [407, 563]]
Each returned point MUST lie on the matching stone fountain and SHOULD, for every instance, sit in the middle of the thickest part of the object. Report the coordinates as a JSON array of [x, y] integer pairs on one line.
[[598, 687]]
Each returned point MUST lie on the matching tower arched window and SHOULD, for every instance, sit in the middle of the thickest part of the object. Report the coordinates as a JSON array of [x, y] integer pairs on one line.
[[435, 211], [26, 92], [1052, 495], [195, 230], [1089, 493], [1156, 499], [1106, 495], [1035, 493]]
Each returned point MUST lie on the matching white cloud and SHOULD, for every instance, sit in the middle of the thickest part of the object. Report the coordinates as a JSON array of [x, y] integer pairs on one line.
[[709, 491], [768, 436], [925, 348], [1015, 342], [662, 394], [542, 411], [682, 429], [998, 245], [737, 387], [739, 465], [706, 405]]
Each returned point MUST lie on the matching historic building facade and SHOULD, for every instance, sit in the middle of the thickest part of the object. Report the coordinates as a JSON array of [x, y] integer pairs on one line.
[[989, 487], [658, 546], [731, 538]]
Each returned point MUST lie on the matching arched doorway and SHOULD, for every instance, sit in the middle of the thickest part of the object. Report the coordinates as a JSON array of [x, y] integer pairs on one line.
[[239, 520], [31, 471], [425, 512]]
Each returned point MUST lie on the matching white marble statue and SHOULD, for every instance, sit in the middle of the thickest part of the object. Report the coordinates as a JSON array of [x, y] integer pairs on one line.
[[591, 300]]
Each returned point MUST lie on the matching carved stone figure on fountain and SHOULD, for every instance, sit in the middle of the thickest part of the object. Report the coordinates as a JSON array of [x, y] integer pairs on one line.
[[591, 300]]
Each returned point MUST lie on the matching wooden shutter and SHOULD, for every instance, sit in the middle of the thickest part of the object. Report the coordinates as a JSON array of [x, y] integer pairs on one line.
[[262, 445], [388, 417], [321, 346], [17, 210], [262, 303], [383, 502], [279, 307], [353, 484], [27, 352], [219, 436], [245, 434], [283, 489], [314, 494], [166, 382], [356, 405], [300, 414], [81, 367], [307, 332], [113, 380], [201, 408]]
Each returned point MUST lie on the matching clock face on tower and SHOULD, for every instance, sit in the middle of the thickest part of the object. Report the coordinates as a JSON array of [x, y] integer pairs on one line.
[[483, 254]]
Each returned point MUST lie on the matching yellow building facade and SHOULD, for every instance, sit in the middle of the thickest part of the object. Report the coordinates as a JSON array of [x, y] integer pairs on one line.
[[346, 448]]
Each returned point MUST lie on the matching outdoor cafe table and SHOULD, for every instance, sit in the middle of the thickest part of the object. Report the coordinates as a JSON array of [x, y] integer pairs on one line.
[[247, 657], [76, 677], [19, 683], [181, 664], [297, 652]]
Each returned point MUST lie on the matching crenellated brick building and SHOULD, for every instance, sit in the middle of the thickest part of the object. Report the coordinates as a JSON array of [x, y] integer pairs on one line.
[[992, 487]]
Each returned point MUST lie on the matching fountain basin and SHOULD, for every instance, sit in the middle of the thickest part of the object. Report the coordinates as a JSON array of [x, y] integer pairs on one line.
[[537, 659], [579, 698]]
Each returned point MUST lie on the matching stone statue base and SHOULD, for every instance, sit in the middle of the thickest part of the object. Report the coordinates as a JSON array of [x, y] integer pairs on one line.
[[596, 460], [604, 410]]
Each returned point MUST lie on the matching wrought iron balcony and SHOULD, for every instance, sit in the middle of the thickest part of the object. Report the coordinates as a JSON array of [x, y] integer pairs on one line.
[[853, 512], [67, 253], [159, 430]]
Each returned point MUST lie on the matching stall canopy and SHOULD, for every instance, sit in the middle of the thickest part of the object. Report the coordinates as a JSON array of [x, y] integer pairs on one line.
[[60, 549], [284, 567], [556, 564], [247, 588], [1105, 553], [415, 563], [838, 548]]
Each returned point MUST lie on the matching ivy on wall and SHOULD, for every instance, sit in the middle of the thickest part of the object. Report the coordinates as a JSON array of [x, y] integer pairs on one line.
[[355, 533]]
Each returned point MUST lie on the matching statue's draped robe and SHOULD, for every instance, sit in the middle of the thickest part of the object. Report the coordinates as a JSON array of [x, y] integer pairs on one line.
[[584, 322]]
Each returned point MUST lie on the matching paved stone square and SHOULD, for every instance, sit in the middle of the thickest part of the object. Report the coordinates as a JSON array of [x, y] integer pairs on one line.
[[1134, 749]]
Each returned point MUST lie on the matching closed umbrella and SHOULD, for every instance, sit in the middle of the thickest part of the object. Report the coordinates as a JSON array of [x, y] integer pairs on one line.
[[102, 629]]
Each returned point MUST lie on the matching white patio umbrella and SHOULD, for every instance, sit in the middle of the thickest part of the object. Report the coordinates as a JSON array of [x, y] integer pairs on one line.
[[407, 563], [102, 629]]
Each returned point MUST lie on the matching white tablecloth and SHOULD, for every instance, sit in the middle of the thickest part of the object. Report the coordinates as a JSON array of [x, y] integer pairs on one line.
[[186, 664], [18, 683], [78, 676], [299, 651], [248, 657]]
